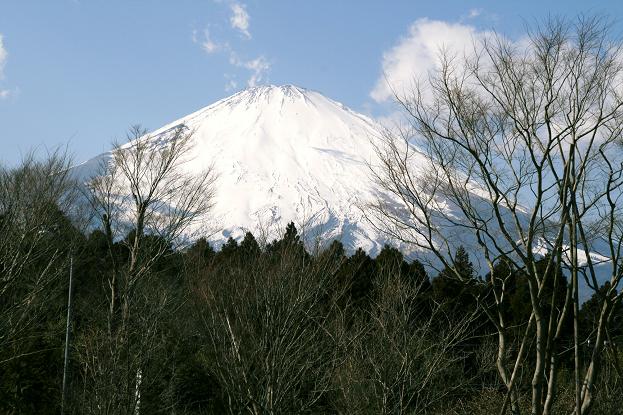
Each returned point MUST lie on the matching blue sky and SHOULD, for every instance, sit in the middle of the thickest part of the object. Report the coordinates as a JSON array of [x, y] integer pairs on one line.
[[80, 72]]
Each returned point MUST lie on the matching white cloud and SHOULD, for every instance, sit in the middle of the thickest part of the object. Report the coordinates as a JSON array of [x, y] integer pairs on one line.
[[259, 68], [239, 19], [473, 13], [417, 53], [3, 56], [206, 42], [231, 83], [4, 93]]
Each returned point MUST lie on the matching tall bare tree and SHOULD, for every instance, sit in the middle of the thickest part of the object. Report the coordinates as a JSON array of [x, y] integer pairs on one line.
[[147, 199], [514, 150], [144, 188]]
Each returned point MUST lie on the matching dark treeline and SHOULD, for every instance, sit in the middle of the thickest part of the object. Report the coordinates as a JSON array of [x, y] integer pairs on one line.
[[250, 328]]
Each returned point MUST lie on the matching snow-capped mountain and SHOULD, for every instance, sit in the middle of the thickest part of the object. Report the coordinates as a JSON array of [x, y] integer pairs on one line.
[[288, 154], [284, 153]]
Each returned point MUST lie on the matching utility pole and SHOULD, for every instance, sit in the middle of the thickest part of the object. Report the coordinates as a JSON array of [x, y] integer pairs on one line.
[[67, 335]]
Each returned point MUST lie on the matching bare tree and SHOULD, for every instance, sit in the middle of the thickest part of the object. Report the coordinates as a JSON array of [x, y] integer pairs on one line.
[[273, 335], [35, 203], [513, 150], [147, 200], [144, 188], [404, 356]]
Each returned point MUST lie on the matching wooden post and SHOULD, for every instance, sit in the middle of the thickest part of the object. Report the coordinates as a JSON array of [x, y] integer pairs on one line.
[[67, 336]]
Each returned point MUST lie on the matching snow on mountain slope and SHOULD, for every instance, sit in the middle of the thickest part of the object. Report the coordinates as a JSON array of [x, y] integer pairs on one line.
[[284, 153]]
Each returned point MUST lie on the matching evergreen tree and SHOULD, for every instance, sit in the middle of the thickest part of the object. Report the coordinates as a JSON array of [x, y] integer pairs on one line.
[[455, 284], [389, 261], [590, 314], [358, 273], [416, 274], [290, 245], [228, 250], [201, 250], [249, 248], [334, 252], [291, 236]]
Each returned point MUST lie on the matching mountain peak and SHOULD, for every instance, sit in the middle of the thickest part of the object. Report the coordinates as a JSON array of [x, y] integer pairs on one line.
[[286, 89], [271, 88], [284, 153], [270, 94]]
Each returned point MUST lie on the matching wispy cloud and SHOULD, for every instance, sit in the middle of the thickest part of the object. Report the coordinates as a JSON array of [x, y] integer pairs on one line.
[[259, 68], [239, 19], [4, 93], [480, 15], [256, 68], [231, 83], [206, 41], [3, 56], [473, 13], [416, 54]]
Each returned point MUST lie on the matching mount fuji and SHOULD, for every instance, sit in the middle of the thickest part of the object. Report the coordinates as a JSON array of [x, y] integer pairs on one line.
[[288, 154], [283, 154]]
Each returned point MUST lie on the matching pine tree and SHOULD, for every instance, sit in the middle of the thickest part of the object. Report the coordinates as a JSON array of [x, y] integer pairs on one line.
[[462, 265], [455, 284], [291, 236], [389, 261], [201, 250], [358, 272], [416, 274], [249, 248], [335, 251], [229, 249], [290, 245]]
